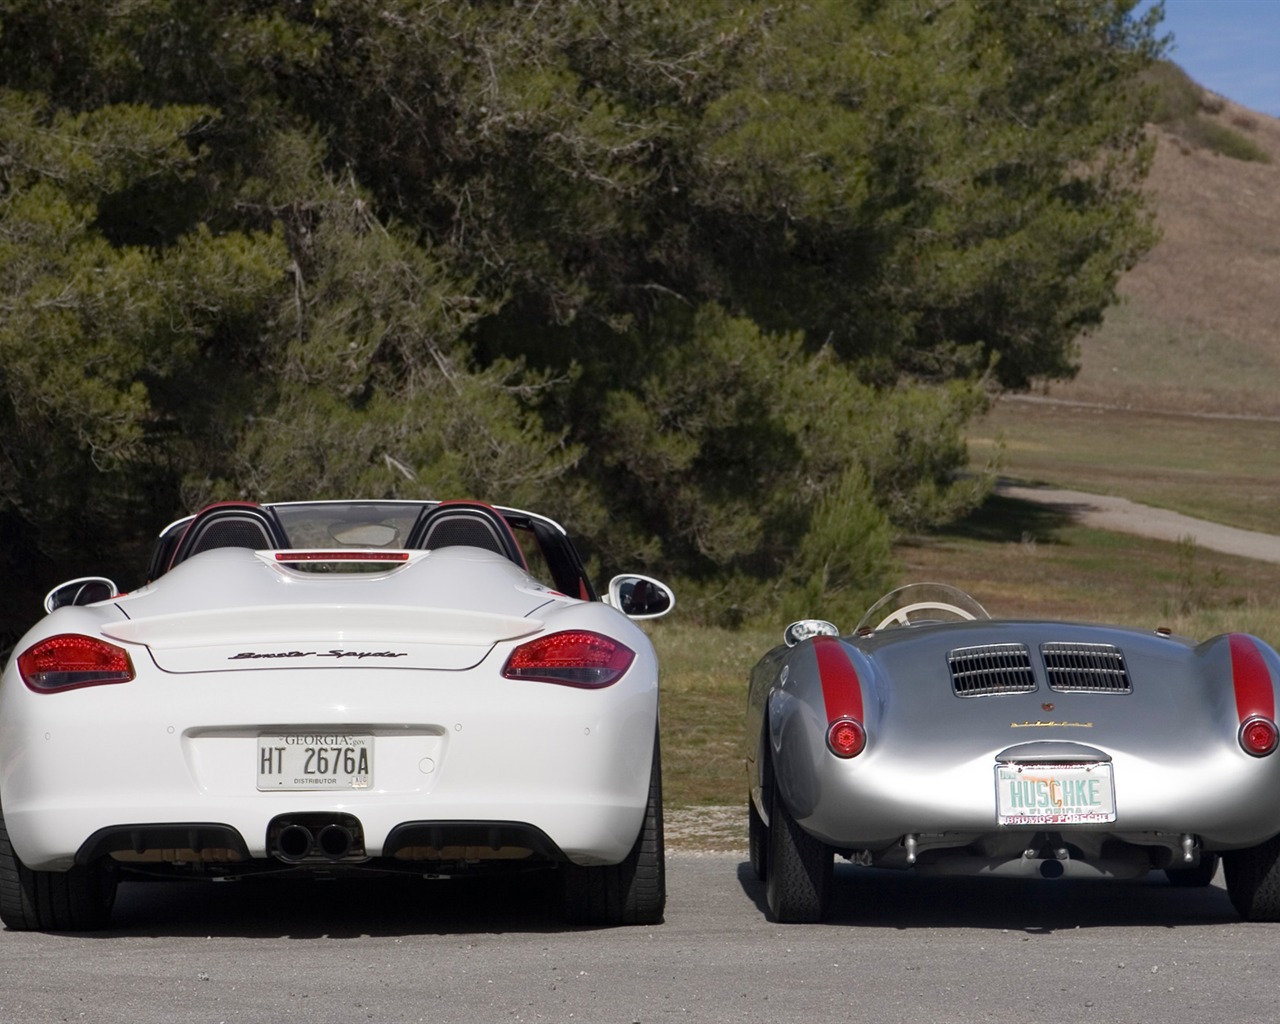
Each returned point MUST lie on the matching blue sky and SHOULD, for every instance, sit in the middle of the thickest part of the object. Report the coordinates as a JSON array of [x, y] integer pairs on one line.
[[1231, 47]]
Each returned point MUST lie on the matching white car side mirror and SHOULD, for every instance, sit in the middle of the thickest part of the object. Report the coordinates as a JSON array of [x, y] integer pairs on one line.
[[640, 597]]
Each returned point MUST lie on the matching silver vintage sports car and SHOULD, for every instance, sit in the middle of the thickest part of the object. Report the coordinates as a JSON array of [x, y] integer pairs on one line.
[[939, 739]]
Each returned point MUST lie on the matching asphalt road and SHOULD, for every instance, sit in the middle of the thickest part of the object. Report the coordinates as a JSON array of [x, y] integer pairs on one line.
[[900, 949]]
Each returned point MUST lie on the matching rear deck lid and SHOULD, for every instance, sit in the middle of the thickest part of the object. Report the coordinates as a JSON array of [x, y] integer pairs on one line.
[[238, 610]]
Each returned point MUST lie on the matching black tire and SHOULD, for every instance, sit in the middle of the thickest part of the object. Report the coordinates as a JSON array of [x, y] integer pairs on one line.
[[632, 892], [757, 841], [1200, 875], [78, 900], [1253, 880], [798, 885]]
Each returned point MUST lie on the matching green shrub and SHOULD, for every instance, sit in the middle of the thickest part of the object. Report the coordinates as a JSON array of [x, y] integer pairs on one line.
[[1176, 97], [1218, 138], [1179, 105]]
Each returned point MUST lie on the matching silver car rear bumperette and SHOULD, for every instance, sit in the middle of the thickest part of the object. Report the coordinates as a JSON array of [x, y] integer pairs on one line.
[[1024, 853]]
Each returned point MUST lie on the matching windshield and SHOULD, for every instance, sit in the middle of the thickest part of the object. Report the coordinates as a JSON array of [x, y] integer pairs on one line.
[[361, 524], [918, 603]]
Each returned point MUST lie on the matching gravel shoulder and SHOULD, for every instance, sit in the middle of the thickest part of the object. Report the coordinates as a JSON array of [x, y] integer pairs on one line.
[[713, 829]]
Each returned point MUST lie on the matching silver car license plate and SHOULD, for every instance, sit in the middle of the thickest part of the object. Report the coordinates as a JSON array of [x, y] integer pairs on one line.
[[315, 761], [1055, 794]]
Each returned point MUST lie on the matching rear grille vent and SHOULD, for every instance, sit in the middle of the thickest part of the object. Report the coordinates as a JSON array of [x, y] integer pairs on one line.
[[1093, 668], [991, 668]]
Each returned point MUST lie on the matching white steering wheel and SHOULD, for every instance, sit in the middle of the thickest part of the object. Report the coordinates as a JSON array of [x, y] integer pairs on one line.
[[902, 616]]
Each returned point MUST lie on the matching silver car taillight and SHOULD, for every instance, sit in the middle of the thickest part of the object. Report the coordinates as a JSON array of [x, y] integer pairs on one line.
[[846, 737], [1258, 736]]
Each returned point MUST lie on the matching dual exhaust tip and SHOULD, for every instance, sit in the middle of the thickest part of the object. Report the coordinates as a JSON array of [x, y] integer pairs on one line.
[[303, 839]]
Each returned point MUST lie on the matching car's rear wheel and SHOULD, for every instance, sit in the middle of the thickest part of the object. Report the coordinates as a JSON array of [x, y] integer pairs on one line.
[[800, 869], [633, 892], [1253, 880], [1201, 874], [72, 901]]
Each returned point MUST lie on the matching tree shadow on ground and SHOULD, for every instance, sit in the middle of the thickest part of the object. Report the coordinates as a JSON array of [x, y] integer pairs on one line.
[[1001, 520]]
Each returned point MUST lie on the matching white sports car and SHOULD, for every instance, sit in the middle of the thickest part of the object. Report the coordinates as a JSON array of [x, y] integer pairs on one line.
[[331, 687]]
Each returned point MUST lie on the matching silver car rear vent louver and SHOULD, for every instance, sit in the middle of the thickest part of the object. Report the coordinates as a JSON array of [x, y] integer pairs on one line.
[[1094, 668], [991, 668]]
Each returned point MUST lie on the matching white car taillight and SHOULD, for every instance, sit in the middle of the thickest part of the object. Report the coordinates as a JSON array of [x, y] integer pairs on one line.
[[574, 658], [69, 661]]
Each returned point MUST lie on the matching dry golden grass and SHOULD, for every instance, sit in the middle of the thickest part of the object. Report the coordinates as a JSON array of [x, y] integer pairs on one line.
[[1020, 560], [1221, 469], [1200, 324], [704, 700]]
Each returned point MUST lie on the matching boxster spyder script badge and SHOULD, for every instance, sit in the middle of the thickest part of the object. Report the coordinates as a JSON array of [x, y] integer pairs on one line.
[[317, 654]]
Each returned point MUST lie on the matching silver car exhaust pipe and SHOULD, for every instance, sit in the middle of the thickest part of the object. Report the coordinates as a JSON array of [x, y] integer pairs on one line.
[[1052, 869]]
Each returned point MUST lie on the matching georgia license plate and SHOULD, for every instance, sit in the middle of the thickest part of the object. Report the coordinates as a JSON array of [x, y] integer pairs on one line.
[[1054, 794], [317, 761]]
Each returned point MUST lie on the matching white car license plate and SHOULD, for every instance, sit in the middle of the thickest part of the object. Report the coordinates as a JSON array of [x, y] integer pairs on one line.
[[1055, 794], [315, 761]]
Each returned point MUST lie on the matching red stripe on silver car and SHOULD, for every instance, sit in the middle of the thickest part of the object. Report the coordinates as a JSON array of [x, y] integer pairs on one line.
[[841, 690], [1252, 680]]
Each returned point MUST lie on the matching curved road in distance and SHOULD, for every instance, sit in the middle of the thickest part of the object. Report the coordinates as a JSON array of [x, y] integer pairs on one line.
[[1123, 516]]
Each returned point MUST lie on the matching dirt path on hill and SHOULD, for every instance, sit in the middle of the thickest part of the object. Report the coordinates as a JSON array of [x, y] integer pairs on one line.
[[1123, 516]]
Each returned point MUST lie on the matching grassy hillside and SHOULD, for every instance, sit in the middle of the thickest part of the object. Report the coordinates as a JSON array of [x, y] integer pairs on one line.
[[1176, 400], [1199, 328]]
